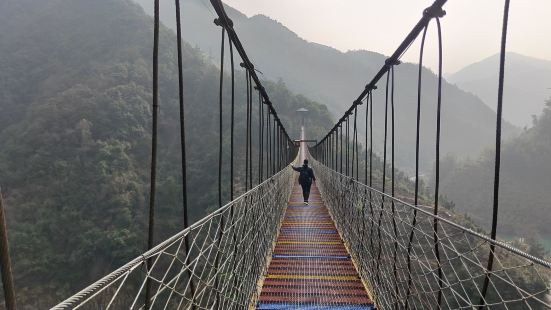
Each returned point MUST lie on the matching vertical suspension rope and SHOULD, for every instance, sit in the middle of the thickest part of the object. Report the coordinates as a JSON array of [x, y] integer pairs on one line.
[[220, 153], [269, 138], [183, 142], [232, 122], [392, 190], [356, 142], [371, 165], [365, 161], [278, 148], [250, 131], [274, 145], [336, 133], [341, 154], [153, 167], [417, 133], [333, 150], [379, 246], [367, 105], [347, 143], [330, 146], [247, 128], [364, 204], [437, 164], [220, 118], [260, 136], [354, 139], [276, 135], [328, 151], [497, 152]]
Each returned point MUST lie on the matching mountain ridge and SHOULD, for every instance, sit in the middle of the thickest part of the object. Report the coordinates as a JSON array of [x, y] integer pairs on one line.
[[75, 135], [336, 78], [527, 83]]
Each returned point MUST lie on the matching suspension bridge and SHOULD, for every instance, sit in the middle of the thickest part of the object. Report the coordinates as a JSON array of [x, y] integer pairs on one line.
[[354, 246]]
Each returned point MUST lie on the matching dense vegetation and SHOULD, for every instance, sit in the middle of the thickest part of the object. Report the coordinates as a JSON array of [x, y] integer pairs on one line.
[[75, 114], [524, 189]]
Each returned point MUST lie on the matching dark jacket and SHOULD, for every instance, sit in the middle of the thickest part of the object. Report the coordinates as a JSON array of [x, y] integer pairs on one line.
[[306, 174]]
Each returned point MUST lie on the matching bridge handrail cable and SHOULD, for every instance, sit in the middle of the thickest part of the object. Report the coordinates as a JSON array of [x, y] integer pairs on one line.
[[283, 180], [536, 260], [381, 253]]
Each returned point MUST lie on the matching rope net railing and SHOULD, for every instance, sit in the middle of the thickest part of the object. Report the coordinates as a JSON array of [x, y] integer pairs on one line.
[[216, 262], [412, 256], [403, 272], [220, 269]]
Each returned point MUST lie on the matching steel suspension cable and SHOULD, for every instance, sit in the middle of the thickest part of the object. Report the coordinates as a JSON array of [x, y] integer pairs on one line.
[[183, 139], [337, 142], [497, 151], [269, 140], [434, 10], [247, 129], [367, 105], [356, 144], [437, 164], [277, 148], [371, 165], [383, 191], [220, 151], [417, 143], [347, 143], [227, 23], [341, 154], [392, 190], [232, 121], [232, 138], [250, 131], [354, 137], [333, 151], [273, 148], [260, 136], [154, 133]]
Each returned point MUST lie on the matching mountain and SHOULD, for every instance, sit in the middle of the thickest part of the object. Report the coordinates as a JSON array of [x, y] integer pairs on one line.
[[75, 112], [75, 123], [335, 79], [527, 85], [524, 190]]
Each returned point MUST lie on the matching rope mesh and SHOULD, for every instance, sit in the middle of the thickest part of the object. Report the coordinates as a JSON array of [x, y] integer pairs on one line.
[[226, 257], [517, 280]]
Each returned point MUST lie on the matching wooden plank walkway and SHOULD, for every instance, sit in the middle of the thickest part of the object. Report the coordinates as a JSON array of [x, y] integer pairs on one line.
[[310, 266]]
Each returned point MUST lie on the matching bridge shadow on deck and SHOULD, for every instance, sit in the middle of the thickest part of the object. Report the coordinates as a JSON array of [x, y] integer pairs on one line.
[[310, 266]]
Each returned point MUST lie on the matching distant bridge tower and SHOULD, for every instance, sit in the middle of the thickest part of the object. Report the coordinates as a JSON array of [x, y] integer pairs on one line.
[[302, 111]]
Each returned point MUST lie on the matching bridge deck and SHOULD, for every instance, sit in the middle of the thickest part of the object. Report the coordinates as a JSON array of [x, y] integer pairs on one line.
[[310, 266]]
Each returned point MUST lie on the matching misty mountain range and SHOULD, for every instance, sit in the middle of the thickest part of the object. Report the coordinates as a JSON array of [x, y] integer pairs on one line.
[[335, 79], [527, 85], [75, 110]]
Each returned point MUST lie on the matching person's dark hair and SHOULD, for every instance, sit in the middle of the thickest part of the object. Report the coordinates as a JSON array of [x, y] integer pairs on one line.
[[306, 161]]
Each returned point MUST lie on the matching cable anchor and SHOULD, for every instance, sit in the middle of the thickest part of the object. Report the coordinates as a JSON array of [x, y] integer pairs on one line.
[[434, 11]]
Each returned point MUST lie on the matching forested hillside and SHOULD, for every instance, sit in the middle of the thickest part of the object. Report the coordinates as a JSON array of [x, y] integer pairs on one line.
[[336, 79], [524, 191], [75, 121]]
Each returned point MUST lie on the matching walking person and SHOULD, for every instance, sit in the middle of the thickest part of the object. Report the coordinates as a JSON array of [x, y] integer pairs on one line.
[[305, 179]]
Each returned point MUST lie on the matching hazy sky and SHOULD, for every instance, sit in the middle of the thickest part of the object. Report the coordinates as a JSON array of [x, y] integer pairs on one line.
[[471, 28]]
